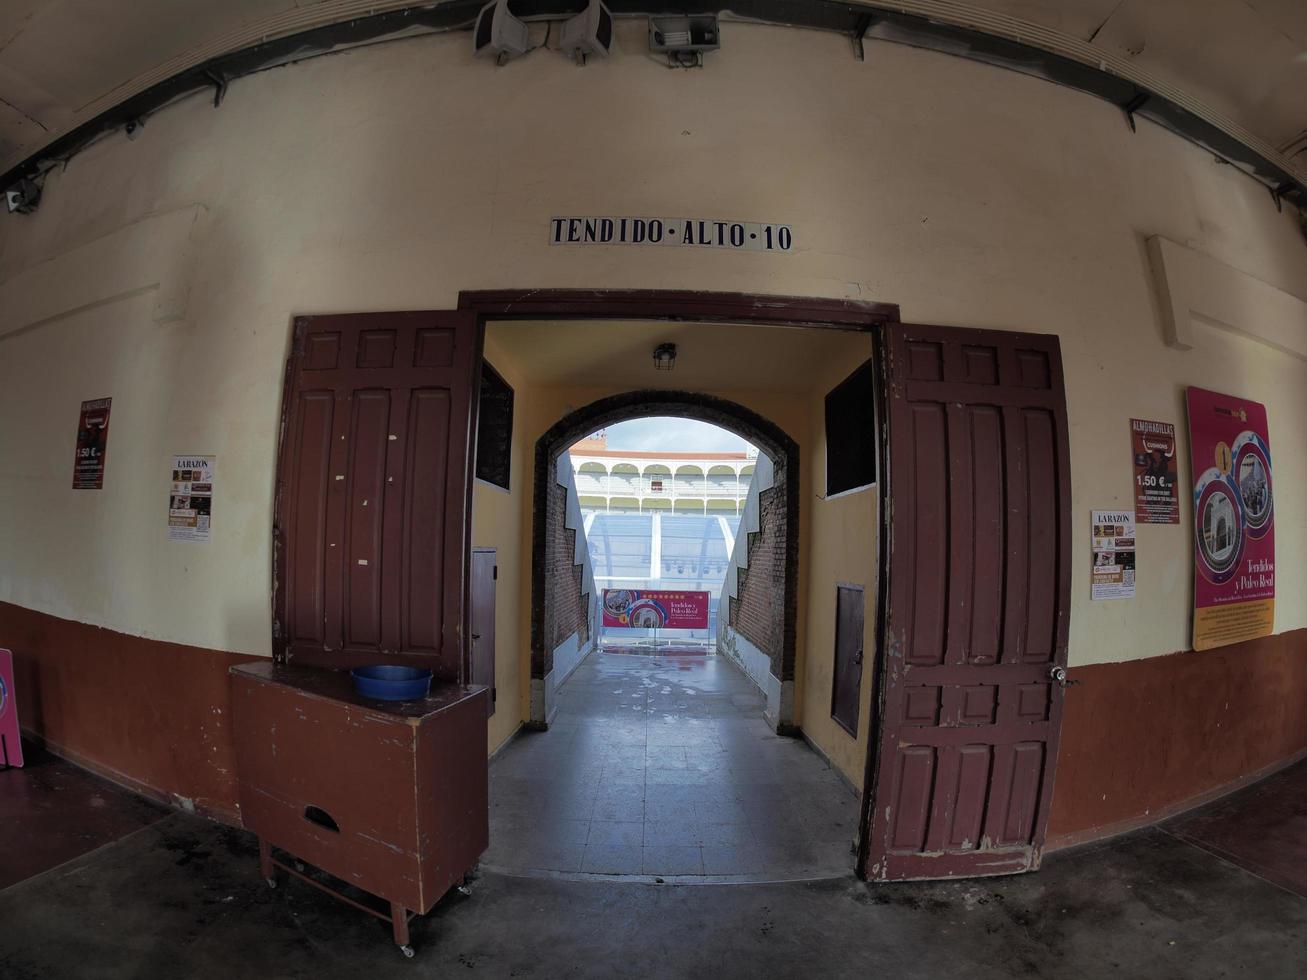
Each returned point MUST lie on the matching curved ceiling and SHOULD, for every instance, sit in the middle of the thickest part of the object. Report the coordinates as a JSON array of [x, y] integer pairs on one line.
[[1242, 63]]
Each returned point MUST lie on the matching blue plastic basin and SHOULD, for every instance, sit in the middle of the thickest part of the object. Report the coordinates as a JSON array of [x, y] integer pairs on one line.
[[386, 682]]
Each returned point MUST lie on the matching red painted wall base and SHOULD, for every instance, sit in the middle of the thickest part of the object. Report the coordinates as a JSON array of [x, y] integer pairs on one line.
[[1141, 740], [1146, 739]]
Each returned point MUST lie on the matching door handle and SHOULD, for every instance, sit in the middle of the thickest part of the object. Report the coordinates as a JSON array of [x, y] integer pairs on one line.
[[476, 636], [857, 657], [1058, 675]]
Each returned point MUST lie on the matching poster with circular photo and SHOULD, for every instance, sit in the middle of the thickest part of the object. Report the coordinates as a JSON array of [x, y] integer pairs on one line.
[[1252, 470], [1233, 520], [647, 614], [1218, 513], [11, 745], [617, 602]]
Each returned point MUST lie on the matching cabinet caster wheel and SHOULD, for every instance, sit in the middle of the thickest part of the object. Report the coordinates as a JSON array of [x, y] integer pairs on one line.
[[272, 882], [407, 951], [464, 890]]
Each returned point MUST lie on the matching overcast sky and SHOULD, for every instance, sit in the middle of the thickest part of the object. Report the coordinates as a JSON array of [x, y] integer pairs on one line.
[[658, 435]]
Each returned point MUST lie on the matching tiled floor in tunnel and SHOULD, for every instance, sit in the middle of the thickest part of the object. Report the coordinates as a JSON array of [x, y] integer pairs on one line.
[[665, 767]]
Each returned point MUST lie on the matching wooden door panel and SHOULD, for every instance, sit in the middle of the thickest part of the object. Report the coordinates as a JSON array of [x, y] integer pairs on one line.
[[373, 501], [978, 593], [425, 500], [364, 493], [307, 476]]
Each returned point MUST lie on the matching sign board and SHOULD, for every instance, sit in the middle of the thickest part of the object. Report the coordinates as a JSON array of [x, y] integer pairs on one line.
[[190, 501], [92, 444], [11, 745], [1157, 487], [741, 236], [655, 609], [1234, 519], [1113, 574]]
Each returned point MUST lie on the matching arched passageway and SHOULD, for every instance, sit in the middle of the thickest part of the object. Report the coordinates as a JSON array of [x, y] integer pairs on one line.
[[670, 763]]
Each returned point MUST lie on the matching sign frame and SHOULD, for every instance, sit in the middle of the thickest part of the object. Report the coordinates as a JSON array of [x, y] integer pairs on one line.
[[1233, 519]]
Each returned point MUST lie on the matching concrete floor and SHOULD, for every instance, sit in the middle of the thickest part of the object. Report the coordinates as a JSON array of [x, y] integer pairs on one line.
[[1217, 893], [182, 897], [51, 812], [663, 766]]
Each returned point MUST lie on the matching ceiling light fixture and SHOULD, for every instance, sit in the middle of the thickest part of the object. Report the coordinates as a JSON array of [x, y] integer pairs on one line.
[[664, 357]]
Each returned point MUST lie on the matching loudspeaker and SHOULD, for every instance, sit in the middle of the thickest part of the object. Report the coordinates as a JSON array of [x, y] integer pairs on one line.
[[499, 33], [589, 32]]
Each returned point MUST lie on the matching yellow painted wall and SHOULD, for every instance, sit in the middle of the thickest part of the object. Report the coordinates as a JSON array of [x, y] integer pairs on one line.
[[393, 176], [841, 548], [501, 520]]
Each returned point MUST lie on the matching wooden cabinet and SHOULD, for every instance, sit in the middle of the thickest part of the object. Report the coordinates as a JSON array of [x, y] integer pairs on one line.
[[389, 797]]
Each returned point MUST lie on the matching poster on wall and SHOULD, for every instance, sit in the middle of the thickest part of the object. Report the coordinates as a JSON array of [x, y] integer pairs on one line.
[[190, 502], [1157, 486], [1113, 574], [92, 444], [1234, 520], [655, 609], [11, 746]]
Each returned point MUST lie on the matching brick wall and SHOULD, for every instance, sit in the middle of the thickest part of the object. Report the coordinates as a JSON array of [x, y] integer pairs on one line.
[[566, 605], [758, 610]]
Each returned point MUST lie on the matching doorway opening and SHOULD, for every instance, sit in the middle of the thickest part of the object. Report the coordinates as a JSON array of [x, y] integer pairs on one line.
[[758, 628], [661, 502], [653, 757]]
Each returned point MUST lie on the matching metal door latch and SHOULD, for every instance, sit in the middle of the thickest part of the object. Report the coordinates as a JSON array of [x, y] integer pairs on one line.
[[1059, 677]]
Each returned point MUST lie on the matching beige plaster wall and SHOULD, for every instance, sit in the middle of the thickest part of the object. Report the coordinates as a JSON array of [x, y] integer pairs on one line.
[[501, 520], [841, 548], [391, 177]]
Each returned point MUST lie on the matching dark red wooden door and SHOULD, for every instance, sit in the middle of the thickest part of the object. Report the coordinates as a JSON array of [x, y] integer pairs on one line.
[[373, 508], [484, 573], [977, 602]]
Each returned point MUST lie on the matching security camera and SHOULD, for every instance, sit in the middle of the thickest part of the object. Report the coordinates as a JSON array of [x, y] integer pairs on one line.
[[23, 197]]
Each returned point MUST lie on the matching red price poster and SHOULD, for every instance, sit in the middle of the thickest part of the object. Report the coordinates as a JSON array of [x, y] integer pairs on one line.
[[1157, 488], [646, 609], [1234, 520], [92, 444], [11, 747]]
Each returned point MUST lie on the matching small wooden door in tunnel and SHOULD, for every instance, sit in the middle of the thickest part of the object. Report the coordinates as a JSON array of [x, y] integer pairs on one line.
[[976, 603], [846, 686], [485, 572]]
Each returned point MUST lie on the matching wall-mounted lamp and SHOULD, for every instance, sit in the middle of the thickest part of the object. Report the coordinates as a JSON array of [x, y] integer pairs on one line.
[[664, 356], [684, 39]]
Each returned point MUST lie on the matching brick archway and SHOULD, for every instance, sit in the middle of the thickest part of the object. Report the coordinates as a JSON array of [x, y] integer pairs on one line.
[[773, 631]]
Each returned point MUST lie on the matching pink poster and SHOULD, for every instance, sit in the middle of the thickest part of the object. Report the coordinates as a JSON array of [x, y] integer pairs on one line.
[[649, 609], [11, 748], [1234, 520]]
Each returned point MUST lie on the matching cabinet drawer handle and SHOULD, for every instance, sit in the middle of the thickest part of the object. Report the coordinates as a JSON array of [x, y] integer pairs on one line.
[[319, 816]]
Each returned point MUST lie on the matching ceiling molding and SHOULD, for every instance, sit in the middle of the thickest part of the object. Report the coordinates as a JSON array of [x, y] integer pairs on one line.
[[945, 25]]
